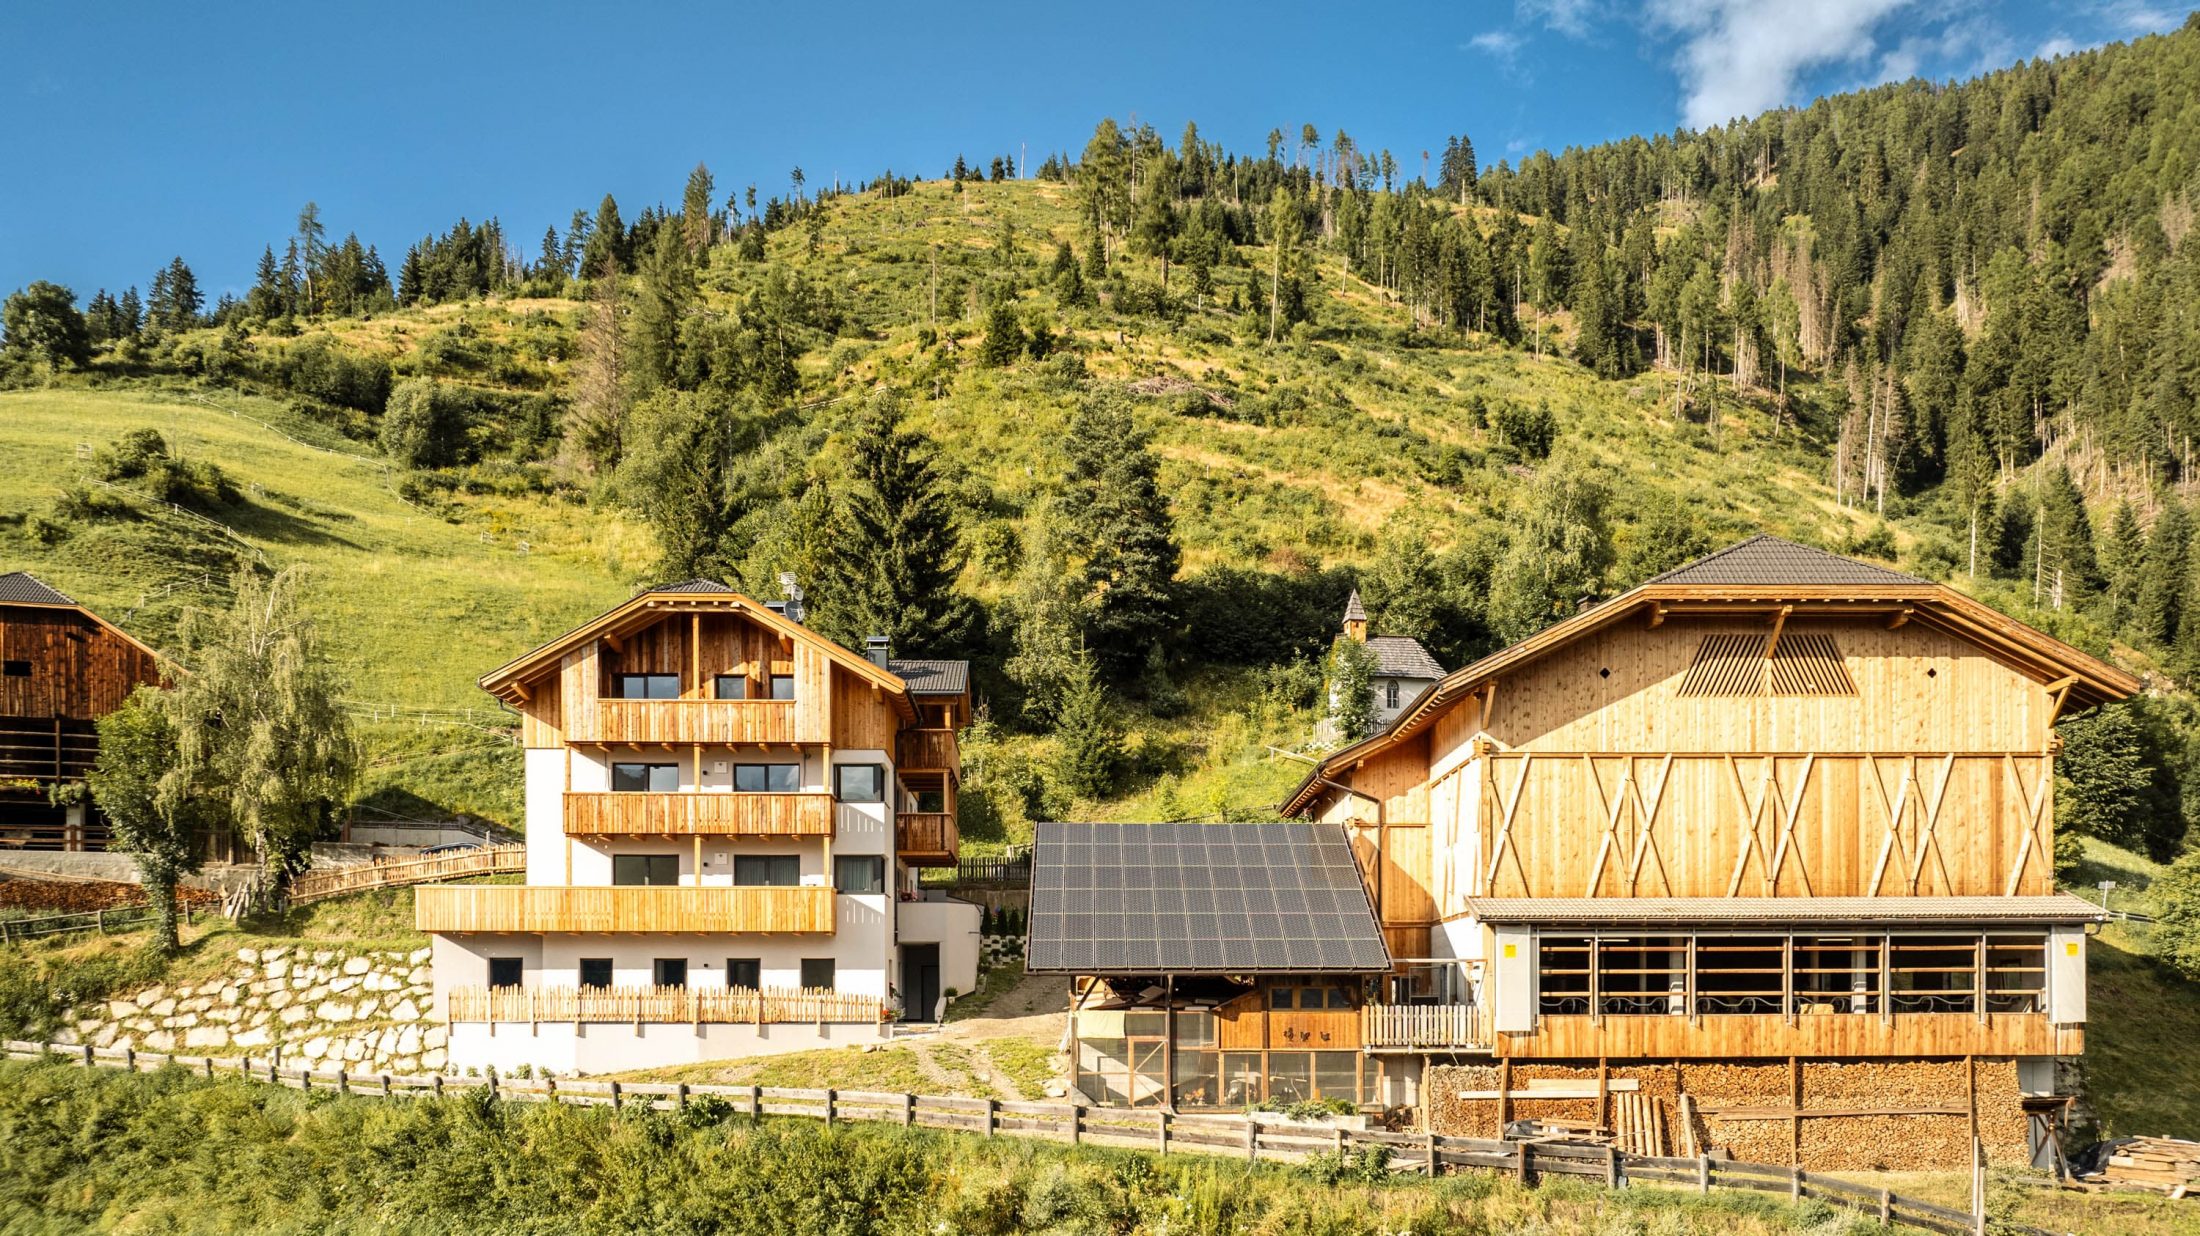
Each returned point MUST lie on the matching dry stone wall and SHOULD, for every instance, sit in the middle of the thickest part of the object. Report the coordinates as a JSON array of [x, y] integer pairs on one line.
[[370, 1012]]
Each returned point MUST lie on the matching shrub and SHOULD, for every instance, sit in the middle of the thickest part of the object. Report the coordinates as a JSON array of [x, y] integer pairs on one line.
[[424, 425], [141, 458], [322, 370]]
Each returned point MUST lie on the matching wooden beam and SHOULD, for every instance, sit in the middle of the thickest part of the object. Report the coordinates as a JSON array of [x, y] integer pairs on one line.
[[1489, 704], [613, 642], [1779, 623], [1657, 615], [1900, 618]]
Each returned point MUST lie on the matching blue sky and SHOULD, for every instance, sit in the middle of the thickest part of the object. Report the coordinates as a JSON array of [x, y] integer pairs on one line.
[[135, 131]]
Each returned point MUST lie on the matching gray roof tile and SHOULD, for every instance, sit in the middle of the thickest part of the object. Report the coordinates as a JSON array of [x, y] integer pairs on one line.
[[1402, 656], [932, 677], [1766, 559], [24, 588], [1274, 898]]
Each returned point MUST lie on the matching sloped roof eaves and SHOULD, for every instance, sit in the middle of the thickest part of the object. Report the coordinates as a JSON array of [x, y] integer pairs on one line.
[[1769, 560], [2059, 908]]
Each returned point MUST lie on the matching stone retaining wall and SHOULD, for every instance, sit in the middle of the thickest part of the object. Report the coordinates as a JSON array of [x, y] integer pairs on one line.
[[368, 1011]]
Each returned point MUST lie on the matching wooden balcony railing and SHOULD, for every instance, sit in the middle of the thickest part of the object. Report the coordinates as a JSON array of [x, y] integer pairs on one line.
[[1423, 1026], [511, 907], [46, 748], [926, 838], [686, 721], [927, 750], [677, 1005], [709, 813]]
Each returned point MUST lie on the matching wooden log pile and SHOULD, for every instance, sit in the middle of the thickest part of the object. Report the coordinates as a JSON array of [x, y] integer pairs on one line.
[[2163, 1164]]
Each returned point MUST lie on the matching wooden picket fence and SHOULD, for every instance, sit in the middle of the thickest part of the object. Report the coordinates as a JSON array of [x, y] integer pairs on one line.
[[325, 882], [1162, 1132], [666, 1005]]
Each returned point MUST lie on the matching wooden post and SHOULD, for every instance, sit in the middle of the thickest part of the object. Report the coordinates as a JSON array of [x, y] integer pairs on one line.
[[385, 1085], [832, 1105], [129, 1059], [615, 1100], [1076, 1123], [1504, 1093], [1161, 1131], [1611, 1166], [908, 1110], [992, 1115], [1524, 1168], [305, 1078], [87, 1055], [493, 1088], [1795, 1112], [1168, 1041], [1978, 1178], [1703, 1173], [1428, 1147], [1795, 1184], [343, 1080], [438, 1085], [1252, 1139], [1604, 1092], [756, 1100], [1970, 1091], [681, 1098], [1886, 1208]]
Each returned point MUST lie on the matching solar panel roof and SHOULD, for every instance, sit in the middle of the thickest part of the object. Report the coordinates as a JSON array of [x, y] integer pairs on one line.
[[1199, 898]]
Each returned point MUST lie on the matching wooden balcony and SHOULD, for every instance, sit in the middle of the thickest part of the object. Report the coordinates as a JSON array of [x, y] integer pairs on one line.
[[1424, 1027], [927, 750], [513, 907], [686, 721], [665, 1005], [699, 813], [926, 838]]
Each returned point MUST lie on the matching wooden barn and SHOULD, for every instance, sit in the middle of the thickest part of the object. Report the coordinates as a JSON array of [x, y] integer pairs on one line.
[[62, 667], [1756, 858]]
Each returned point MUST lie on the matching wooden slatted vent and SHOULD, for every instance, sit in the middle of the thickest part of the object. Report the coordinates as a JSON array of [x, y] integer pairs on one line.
[[1727, 665], [1734, 665]]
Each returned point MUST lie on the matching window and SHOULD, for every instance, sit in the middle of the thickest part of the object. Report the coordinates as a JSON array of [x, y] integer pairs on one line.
[[859, 783], [817, 972], [653, 778], [1291, 1076], [859, 873], [595, 972], [1933, 974], [1642, 974], [782, 686], [1562, 974], [2016, 974], [767, 778], [932, 802], [669, 972], [731, 686], [504, 971], [1740, 974], [1337, 1075], [651, 869], [645, 686], [1390, 694], [16, 669], [744, 972], [1837, 974], [779, 870]]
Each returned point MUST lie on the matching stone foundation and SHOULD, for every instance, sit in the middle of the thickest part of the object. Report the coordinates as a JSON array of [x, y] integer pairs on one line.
[[1828, 1143]]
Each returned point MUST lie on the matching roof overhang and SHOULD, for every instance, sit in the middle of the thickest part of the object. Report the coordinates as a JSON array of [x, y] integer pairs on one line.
[[2027, 650], [508, 682], [1750, 912]]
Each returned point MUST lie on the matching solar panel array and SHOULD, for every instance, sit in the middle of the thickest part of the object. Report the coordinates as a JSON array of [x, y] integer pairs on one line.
[[1199, 898]]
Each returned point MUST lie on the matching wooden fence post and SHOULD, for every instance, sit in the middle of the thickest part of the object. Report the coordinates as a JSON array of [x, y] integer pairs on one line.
[[1611, 1166], [493, 1088], [1525, 1177], [1076, 1123], [343, 1080], [832, 1101], [1252, 1139], [682, 1097], [1428, 1146], [305, 1078], [385, 1085], [756, 1103], [87, 1055], [129, 1059], [992, 1115], [908, 1110], [1886, 1208], [1703, 1173], [439, 1085], [1795, 1184], [615, 1098], [1161, 1130]]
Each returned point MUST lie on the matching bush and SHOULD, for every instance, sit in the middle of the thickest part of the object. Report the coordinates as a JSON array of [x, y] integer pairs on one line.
[[424, 425], [1527, 430], [322, 370], [141, 458]]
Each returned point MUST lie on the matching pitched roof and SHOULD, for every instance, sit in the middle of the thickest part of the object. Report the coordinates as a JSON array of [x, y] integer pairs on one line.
[[1353, 610], [691, 585], [932, 677], [1199, 899], [1755, 575], [1402, 656], [1765, 911], [1767, 559], [24, 588]]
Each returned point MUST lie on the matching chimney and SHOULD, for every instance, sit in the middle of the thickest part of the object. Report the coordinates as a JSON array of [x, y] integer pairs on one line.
[[1355, 619], [1587, 602], [792, 590], [874, 650]]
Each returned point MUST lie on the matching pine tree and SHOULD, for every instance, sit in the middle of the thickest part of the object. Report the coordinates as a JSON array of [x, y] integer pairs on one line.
[[663, 293], [596, 430], [2123, 563], [905, 554], [1117, 529], [697, 227], [131, 313], [606, 245], [577, 231], [1088, 746], [2168, 565]]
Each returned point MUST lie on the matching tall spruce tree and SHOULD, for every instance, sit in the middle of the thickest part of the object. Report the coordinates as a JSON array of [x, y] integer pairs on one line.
[[905, 555], [1115, 523]]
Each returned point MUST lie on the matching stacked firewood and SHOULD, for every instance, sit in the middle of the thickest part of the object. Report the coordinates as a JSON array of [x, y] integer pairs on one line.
[[2164, 1164]]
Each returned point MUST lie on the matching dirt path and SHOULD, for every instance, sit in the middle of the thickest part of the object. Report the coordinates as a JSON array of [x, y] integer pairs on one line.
[[1036, 1008]]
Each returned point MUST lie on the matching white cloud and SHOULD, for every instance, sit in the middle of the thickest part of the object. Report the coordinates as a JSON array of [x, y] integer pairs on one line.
[[1568, 17], [1502, 44], [2060, 45], [1739, 57]]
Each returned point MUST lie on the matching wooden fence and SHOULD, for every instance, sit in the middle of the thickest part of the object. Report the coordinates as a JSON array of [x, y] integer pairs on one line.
[[1423, 1026], [1158, 1131], [119, 918], [320, 884], [673, 1005], [1011, 872]]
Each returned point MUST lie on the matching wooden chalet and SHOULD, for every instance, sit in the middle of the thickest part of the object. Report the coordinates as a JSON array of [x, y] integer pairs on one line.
[[719, 799], [1764, 844], [62, 668]]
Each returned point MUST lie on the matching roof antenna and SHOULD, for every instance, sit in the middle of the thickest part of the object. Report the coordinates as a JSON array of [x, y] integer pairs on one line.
[[791, 588]]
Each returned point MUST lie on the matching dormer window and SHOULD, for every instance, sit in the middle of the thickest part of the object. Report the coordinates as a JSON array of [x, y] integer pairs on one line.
[[645, 686]]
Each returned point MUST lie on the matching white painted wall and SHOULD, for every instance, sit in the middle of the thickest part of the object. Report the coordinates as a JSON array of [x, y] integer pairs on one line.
[[954, 926], [1512, 981], [545, 800], [2066, 976], [1408, 689]]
